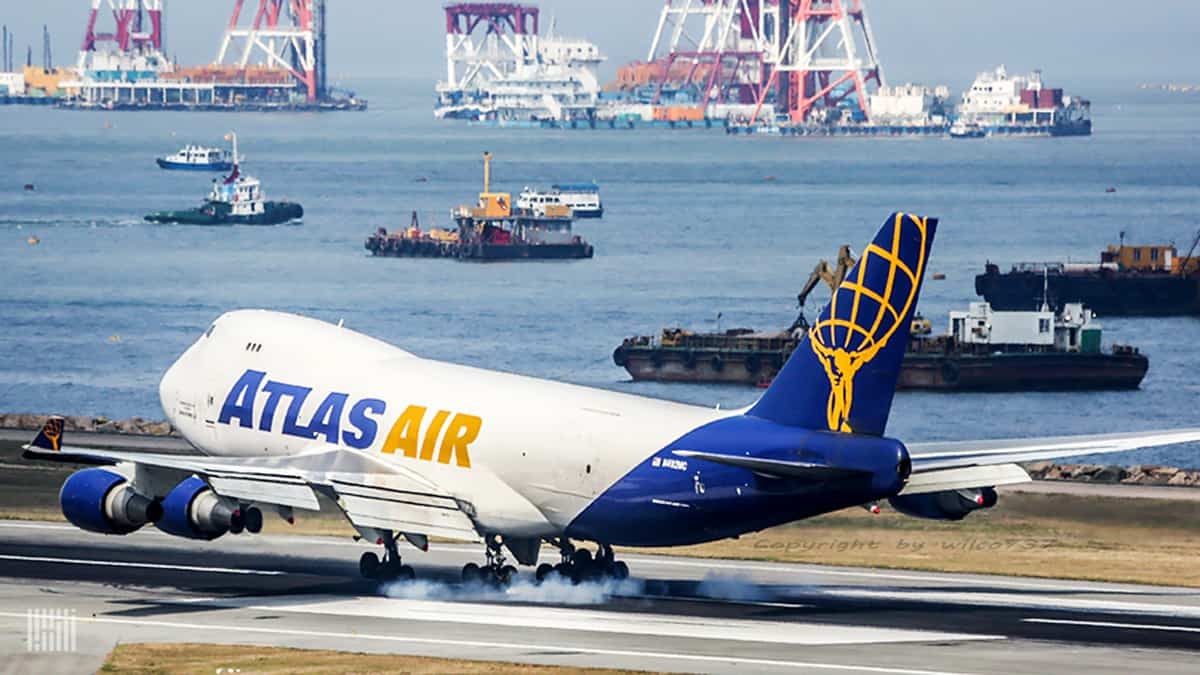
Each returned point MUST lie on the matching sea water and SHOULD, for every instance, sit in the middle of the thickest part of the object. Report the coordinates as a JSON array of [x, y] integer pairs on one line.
[[701, 230]]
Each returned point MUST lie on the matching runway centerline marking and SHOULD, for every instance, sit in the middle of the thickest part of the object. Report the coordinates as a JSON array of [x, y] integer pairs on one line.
[[814, 665], [1115, 624], [141, 565]]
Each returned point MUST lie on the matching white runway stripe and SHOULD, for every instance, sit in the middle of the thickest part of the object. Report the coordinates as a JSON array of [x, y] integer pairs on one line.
[[141, 565], [192, 629], [594, 621], [1115, 624]]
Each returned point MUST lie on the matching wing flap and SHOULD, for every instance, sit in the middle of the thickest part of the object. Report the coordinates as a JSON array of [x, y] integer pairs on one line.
[[964, 478], [399, 503]]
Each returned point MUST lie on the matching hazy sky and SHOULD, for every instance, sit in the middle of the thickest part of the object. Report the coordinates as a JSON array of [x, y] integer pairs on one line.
[[929, 41]]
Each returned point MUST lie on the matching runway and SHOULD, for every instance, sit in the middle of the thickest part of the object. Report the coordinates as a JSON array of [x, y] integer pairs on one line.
[[679, 614]]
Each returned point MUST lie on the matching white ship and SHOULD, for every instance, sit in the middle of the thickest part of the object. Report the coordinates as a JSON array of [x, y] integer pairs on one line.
[[1021, 104], [582, 198], [526, 78]]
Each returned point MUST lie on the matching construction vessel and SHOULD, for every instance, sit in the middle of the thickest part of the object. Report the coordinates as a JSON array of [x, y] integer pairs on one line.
[[270, 59], [984, 350], [492, 229], [499, 68], [1128, 281]]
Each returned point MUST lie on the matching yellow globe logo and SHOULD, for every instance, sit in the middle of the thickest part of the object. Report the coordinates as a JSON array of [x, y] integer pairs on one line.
[[867, 309]]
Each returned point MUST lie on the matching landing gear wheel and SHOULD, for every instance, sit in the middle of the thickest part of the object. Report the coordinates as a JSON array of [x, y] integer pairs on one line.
[[471, 573], [620, 570], [368, 565], [253, 520], [505, 575], [543, 571], [406, 573]]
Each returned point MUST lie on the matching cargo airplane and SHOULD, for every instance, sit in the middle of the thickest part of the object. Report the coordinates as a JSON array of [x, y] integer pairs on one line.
[[284, 408]]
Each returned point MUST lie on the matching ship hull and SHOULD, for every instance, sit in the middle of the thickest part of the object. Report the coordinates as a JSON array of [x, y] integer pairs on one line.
[[405, 248], [1105, 294], [183, 166], [1023, 372], [274, 213], [1043, 371]]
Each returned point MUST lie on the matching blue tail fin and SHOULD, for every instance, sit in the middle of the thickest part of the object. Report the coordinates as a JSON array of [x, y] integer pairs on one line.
[[842, 376]]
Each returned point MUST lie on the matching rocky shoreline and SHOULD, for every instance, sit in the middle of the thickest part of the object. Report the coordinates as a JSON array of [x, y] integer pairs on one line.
[[100, 424], [1142, 474]]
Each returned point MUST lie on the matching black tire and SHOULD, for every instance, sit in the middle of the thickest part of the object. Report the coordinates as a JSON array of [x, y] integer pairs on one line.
[[506, 574], [471, 573], [368, 565], [620, 356], [620, 570], [406, 573], [581, 557], [253, 519], [717, 363], [544, 570], [753, 364]]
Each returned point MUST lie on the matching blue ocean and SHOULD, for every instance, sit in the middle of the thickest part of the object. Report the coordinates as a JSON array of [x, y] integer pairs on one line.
[[697, 225]]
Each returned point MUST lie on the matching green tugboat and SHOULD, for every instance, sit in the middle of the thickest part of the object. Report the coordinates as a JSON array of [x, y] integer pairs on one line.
[[235, 200]]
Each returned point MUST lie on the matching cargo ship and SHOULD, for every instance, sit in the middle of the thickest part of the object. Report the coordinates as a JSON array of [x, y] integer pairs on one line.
[[236, 199], [1022, 105], [1128, 281], [984, 350], [492, 229]]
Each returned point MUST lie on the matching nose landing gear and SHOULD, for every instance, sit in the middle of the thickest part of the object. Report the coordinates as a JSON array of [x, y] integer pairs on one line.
[[391, 568], [579, 564]]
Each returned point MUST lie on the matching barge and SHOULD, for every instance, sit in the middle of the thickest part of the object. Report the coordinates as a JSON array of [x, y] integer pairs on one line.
[[490, 230], [1128, 281]]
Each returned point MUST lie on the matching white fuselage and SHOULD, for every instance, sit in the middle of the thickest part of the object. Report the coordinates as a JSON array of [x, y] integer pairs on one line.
[[528, 454]]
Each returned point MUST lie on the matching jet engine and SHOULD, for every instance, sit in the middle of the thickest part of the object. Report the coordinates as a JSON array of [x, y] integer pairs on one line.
[[945, 505], [99, 500], [194, 511]]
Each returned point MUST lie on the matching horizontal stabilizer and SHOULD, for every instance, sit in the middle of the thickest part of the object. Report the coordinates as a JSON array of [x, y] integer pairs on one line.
[[775, 468]]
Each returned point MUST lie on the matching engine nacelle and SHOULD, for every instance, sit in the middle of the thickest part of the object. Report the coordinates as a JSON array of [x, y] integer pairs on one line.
[[99, 500], [945, 505], [194, 511]]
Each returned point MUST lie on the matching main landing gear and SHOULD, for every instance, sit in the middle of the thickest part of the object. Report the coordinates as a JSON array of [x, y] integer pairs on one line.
[[391, 568], [580, 565], [495, 572]]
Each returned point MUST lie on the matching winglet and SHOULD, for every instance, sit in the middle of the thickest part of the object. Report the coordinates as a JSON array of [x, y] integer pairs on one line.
[[50, 437]]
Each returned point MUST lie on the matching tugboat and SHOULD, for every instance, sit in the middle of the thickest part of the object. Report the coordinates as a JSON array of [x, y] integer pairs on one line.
[[1128, 281], [985, 350], [490, 230], [197, 158], [582, 198], [235, 200]]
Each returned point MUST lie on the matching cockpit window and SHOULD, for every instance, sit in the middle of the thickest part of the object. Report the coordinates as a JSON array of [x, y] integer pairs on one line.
[[208, 333]]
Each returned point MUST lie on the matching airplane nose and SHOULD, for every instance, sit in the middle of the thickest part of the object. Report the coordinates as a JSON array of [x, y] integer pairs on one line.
[[168, 392]]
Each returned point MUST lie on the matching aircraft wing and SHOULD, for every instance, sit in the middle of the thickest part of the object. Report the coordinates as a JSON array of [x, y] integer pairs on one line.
[[958, 454], [370, 492]]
